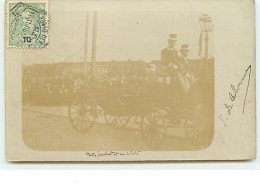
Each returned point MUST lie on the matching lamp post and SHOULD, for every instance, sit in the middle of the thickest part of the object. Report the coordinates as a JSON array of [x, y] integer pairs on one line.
[[206, 26]]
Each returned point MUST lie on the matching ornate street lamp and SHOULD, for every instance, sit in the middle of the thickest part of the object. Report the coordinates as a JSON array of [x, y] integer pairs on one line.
[[206, 23], [206, 26]]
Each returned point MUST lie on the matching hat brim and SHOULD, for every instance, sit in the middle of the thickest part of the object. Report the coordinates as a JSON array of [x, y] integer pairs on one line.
[[184, 50], [173, 39]]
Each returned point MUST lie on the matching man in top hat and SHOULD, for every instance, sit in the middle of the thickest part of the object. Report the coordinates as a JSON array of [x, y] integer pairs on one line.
[[169, 55], [169, 63]]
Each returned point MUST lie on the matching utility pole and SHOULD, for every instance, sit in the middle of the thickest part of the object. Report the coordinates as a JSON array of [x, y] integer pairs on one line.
[[94, 40], [86, 45], [206, 53]]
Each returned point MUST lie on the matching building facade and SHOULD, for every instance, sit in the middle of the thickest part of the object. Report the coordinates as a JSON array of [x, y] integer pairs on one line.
[[80, 68]]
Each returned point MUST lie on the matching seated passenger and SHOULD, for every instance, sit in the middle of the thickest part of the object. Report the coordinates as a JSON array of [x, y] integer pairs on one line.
[[185, 77], [169, 55]]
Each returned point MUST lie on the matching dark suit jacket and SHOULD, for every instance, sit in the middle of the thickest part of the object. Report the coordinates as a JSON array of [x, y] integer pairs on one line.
[[169, 56]]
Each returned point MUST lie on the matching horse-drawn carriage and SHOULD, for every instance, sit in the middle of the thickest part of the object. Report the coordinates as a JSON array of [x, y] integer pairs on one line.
[[156, 105]]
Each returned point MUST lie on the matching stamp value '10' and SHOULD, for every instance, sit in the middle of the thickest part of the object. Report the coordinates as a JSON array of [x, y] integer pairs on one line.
[[27, 24]]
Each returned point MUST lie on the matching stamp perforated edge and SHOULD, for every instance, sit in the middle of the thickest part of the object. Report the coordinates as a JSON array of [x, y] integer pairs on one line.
[[7, 2]]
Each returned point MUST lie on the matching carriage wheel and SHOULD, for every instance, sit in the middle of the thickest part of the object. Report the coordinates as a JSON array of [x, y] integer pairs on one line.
[[117, 120], [197, 130], [153, 129], [82, 113]]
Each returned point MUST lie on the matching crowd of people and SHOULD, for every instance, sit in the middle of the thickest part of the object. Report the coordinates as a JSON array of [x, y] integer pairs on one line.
[[57, 89]]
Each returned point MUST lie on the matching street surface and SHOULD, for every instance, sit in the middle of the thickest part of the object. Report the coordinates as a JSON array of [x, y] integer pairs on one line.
[[48, 128]]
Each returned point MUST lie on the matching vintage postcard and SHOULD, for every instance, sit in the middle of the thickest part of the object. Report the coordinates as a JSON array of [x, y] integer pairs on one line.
[[130, 80]]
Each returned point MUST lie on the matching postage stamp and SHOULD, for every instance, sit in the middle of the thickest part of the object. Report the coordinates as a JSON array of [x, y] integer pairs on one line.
[[27, 24]]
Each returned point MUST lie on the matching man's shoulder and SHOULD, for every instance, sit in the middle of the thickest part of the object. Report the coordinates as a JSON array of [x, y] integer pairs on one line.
[[164, 50], [167, 50]]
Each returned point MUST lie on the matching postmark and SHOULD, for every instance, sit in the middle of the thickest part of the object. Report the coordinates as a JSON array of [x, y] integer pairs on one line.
[[27, 24]]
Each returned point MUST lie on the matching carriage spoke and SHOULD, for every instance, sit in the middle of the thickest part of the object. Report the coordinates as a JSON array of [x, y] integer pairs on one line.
[[110, 117], [76, 118], [73, 119], [120, 120], [153, 129], [196, 131], [81, 114], [81, 123], [116, 120], [87, 118], [77, 106], [85, 122], [74, 113], [78, 122], [83, 126]]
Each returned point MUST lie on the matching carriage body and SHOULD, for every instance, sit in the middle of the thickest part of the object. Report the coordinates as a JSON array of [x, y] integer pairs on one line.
[[155, 104]]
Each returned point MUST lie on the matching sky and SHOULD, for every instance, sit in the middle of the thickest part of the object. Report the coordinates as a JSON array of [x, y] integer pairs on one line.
[[121, 35]]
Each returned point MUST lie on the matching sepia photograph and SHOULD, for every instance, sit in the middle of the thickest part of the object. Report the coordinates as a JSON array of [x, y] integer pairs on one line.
[[125, 86]]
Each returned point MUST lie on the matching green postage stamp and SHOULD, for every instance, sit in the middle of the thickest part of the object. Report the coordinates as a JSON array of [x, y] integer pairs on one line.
[[27, 24]]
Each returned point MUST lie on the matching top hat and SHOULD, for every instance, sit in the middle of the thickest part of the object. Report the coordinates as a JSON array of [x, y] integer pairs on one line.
[[184, 47], [173, 37]]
